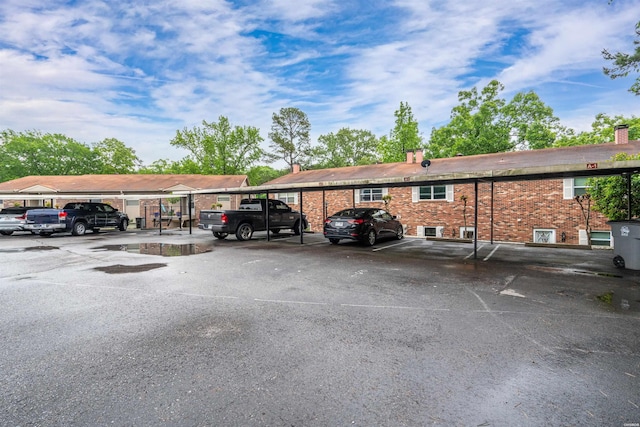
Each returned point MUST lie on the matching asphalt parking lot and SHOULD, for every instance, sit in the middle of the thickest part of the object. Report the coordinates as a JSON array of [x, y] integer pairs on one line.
[[143, 329]]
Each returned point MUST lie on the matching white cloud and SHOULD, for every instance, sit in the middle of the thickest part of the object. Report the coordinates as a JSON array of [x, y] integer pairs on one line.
[[139, 71]]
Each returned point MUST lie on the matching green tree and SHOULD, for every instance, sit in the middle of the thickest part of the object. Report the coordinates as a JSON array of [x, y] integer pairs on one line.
[[220, 149], [602, 130], [625, 63], [33, 153], [485, 123], [290, 137], [531, 122], [116, 157], [165, 166], [404, 136], [258, 175], [609, 194], [476, 125], [347, 147]]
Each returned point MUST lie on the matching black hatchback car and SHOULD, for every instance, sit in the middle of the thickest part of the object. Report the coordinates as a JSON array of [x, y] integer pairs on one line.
[[366, 225]]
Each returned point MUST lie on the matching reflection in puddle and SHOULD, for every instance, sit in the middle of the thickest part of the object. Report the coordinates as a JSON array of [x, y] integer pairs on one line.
[[119, 268], [162, 249], [29, 249]]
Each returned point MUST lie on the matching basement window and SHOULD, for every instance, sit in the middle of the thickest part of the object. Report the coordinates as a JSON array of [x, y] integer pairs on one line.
[[544, 235], [600, 238], [430, 231]]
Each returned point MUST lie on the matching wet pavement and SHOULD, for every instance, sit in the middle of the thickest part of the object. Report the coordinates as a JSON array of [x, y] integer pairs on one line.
[[144, 329]]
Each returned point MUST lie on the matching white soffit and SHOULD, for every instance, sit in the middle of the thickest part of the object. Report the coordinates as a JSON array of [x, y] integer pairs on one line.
[[38, 189], [179, 187]]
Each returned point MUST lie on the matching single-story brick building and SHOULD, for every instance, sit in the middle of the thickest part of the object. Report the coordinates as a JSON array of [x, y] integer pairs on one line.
[[521, 196], [148, 197], [439, 200]]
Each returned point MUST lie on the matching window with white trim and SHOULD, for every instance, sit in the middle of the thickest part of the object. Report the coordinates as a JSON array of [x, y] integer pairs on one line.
[[544, 235], [370, 194], [467, 232], [288, 198], [575, 187], [600, 238], [432, 193]]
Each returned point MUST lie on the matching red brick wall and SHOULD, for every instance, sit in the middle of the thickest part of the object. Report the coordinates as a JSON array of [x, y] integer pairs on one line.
[[518, 209]]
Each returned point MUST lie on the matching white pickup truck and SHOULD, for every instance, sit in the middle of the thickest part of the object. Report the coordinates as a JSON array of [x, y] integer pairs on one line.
[[13, 219]]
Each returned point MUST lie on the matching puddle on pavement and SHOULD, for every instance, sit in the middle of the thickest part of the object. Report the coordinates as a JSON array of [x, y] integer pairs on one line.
[[120, 268], [30, 249], [162, 249]]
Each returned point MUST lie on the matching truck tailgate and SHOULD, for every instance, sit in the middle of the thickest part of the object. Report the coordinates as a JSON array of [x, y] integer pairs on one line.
[[43, 216], [211, 217]]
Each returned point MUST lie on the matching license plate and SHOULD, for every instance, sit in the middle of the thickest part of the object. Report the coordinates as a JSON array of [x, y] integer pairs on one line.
[[339, 224]]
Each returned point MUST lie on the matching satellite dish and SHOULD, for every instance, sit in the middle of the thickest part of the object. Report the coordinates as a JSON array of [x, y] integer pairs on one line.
[[425, 163]]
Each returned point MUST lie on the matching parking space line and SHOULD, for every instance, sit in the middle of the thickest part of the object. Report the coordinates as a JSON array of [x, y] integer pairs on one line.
[[394, 307], [471, 254], [390, 246], [491, 253], [290, 302]]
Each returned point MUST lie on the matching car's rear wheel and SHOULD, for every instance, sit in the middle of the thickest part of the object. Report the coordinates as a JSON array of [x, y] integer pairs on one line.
[[244, 232], [219, 235], [618, 261], [124, 224], [370, 238], [399, 232], [334, 241], [6, 233], [79, 228]]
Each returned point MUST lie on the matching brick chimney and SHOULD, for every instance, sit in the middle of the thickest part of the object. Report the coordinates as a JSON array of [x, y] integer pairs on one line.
[[409, 156], [295, 168], [418, 156], [622, 134]]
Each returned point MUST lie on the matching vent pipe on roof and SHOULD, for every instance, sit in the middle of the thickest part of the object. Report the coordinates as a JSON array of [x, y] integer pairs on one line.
[[621, 134]]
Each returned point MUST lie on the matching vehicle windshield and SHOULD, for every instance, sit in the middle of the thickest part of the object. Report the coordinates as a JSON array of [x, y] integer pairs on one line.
[[351, 213]]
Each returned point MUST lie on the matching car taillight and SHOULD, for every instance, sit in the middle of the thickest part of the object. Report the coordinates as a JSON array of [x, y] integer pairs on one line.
[[224, 218], [356, 221], [23, 216], [62, 215], [327, 221]]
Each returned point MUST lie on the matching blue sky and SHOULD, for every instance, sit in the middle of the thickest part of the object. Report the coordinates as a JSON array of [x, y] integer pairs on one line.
[[139, 71]]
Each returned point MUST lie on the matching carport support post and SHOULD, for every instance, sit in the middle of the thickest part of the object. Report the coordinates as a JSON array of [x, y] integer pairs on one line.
[[492, 189], [475, 221], [629, 197], [301, 222], [160, 213], [189, 208], [266, 217]]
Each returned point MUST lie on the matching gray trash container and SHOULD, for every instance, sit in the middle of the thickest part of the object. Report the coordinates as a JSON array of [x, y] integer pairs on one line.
[[141, 222], [626, 243]]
